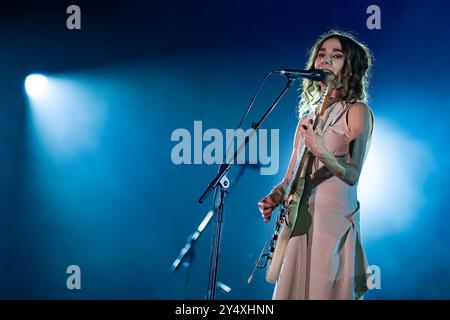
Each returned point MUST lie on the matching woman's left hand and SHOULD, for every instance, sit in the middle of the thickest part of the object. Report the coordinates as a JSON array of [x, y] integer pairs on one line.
[[314, 141]]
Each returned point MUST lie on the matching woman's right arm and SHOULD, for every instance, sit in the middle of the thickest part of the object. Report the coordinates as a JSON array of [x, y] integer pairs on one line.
[[274, 198], [281, 187]]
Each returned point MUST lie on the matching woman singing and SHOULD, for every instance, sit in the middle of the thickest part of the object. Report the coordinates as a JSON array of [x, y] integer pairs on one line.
[[323, 257]]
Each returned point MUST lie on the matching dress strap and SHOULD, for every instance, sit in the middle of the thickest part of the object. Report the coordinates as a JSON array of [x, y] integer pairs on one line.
[[335, 114]]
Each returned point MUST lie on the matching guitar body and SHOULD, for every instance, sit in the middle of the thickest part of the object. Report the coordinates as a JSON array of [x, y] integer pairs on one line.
[[288, 223]]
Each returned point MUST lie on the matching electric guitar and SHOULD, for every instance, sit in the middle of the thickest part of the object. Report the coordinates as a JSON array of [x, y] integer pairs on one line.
[[287, 212]]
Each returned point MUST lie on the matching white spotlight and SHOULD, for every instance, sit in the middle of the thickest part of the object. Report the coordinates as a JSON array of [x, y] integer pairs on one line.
[[392, 185], [36, 85]]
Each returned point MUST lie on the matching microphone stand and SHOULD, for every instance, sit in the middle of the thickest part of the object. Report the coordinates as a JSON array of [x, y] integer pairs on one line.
[[187, 253], [221, 181]]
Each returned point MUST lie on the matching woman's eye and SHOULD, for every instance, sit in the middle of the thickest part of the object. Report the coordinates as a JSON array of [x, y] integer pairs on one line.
[[321, 55], [338, 56]]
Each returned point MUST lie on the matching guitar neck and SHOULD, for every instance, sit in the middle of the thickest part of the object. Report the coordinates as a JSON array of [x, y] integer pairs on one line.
[[304, 154]]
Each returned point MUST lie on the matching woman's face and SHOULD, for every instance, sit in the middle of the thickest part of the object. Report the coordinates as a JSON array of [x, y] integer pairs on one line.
[[330, 56]]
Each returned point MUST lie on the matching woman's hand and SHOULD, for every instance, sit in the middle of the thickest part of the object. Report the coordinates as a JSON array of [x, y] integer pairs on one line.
[[266, 206], [314, 141]]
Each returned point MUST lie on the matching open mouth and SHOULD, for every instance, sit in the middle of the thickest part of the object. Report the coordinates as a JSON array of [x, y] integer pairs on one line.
[[329, 76], [327, 71]]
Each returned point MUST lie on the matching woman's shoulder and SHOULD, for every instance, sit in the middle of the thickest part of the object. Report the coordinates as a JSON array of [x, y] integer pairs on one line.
[[359, 116], [360, 109], [359, 106]]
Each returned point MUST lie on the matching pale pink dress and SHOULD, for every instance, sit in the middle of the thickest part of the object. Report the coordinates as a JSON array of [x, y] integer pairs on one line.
[[324, 258]]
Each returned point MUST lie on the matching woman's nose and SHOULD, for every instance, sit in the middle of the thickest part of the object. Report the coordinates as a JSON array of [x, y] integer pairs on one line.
[[327, 59]]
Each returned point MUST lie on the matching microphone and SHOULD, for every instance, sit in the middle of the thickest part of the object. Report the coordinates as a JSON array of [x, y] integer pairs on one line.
[[313, 74]]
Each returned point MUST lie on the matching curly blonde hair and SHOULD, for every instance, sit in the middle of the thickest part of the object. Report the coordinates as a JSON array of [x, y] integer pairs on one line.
[[353, 79]]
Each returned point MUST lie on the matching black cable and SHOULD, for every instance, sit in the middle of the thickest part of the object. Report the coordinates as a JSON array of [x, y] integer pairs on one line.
[[247, 110]]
